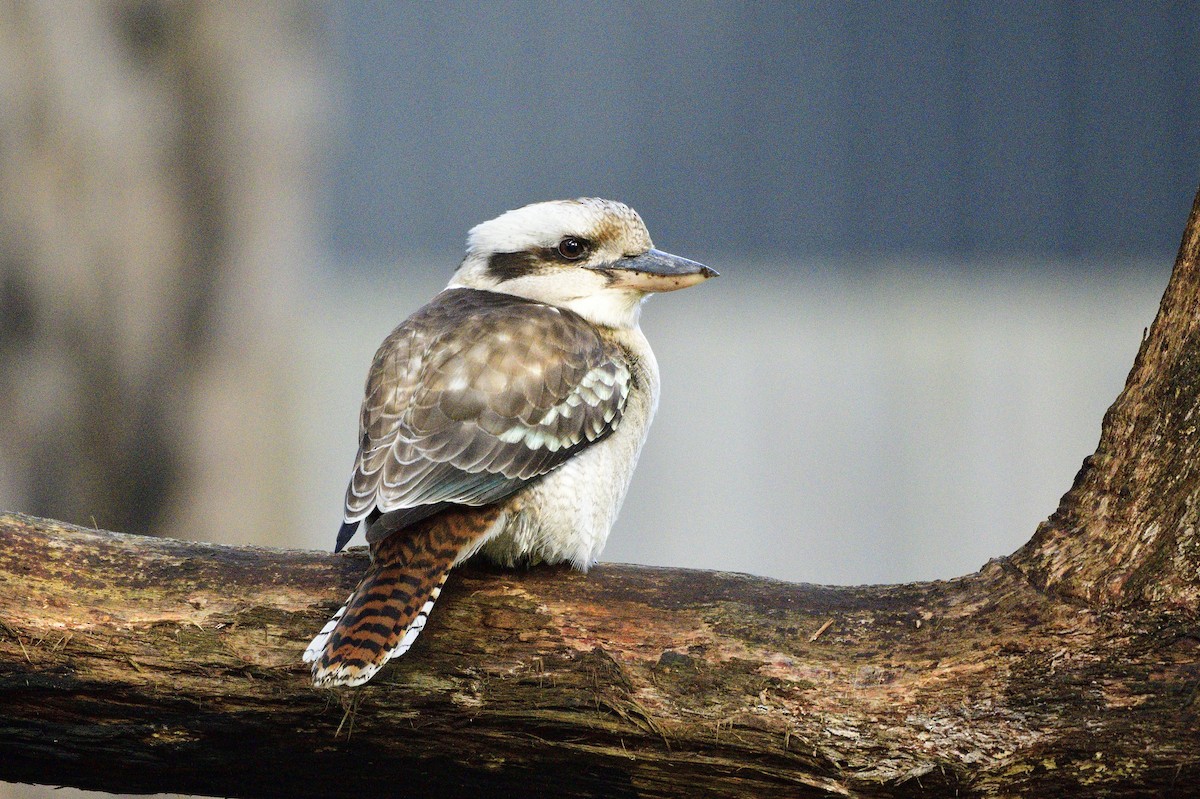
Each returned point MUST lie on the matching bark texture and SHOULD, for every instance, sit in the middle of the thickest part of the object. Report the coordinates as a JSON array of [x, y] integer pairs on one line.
[[1070, 669], [1126, 531]]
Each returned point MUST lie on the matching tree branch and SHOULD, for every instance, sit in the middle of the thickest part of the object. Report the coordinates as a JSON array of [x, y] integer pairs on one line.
[[133, 664], [1126, 531]]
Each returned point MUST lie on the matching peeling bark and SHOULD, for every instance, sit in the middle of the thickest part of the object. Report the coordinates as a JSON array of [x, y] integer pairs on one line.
[[1070, 669]]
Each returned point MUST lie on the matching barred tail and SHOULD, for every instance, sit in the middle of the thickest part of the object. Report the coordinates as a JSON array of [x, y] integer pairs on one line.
[[380, 624], [391, 604]]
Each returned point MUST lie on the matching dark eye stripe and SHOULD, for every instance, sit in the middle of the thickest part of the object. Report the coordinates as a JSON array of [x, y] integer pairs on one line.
[[508, 265]]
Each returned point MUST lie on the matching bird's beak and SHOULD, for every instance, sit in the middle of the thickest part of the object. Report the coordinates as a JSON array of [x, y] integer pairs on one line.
[[654, 270]]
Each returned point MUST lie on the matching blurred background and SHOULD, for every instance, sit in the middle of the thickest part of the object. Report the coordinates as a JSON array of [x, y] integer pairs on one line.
[[941, 228]]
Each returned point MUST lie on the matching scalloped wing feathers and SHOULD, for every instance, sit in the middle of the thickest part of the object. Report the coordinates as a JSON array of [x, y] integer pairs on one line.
[[475, 395]]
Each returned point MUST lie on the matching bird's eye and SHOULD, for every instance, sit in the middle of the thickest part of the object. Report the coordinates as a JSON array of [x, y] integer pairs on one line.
[[572, 249]]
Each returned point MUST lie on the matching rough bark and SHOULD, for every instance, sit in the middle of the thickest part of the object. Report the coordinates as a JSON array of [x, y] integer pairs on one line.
[[1069, 669], [1126, 531]]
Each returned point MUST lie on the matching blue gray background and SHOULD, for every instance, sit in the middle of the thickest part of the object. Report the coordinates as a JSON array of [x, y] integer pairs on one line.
[[766, 129]]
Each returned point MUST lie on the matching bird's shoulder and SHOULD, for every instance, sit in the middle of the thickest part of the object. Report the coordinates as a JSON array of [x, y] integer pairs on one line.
[[478, 344]]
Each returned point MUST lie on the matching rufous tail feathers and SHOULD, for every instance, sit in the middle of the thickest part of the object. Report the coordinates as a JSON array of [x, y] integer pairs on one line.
[[388, 609]]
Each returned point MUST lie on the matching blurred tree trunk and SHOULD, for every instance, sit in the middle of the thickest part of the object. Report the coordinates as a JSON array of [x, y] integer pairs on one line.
[[155, 207]]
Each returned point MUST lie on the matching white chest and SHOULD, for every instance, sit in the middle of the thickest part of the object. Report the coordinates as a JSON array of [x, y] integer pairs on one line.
[[567, 514]]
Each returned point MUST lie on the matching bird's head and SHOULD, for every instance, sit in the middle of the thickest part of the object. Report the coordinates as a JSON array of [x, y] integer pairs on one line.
[[592, 256]]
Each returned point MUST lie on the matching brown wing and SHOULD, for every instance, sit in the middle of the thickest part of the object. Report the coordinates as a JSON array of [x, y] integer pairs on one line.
[[475, 395]]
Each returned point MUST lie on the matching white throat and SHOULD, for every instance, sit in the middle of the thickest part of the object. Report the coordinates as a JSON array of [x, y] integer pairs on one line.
[[621, 309]]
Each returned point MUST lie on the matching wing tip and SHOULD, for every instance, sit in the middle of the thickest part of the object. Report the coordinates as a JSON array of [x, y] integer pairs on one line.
[[345, 533]]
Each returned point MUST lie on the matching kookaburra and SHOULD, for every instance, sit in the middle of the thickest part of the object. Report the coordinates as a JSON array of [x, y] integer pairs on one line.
[[505, 417]]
